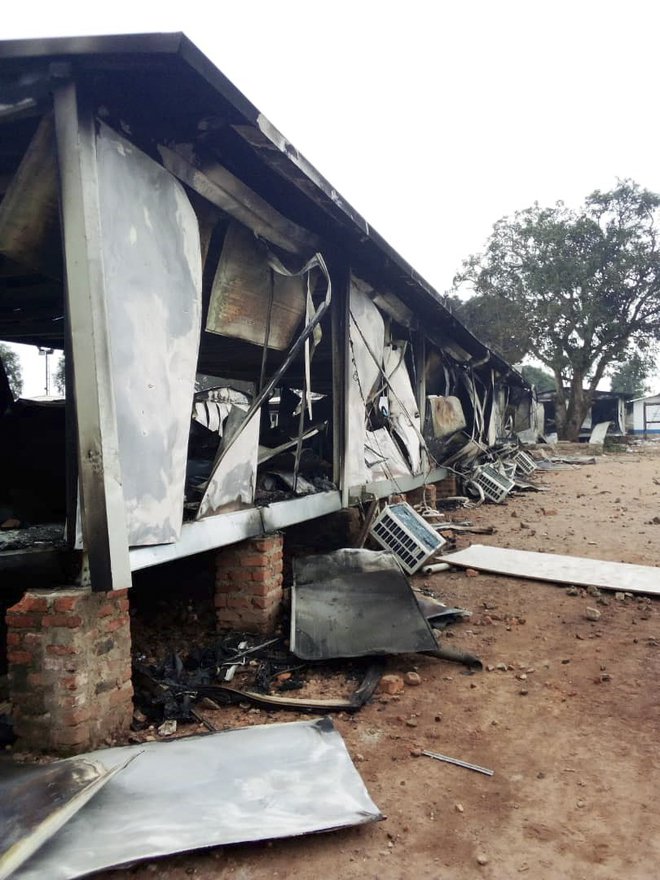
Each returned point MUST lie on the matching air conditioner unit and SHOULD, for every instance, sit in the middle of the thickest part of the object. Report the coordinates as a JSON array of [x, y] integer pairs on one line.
[[526, 464], [403, 532], [493, 484]]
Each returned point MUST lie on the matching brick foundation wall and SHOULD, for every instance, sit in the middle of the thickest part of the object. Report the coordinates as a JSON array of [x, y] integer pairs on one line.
[[69, 659], [248, 584], [446, 488]]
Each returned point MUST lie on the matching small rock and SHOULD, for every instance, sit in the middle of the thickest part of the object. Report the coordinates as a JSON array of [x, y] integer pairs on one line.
[[522, 677], [471, 572], [438, 717], [411, 722], [416, 753], [490, 668], [572, 591], [167, 728], [523, 692], [502, 667], [391, 684], [579, 804], [459, 808], [592, 613], [482, 860], [620, 597], [593, 591], [412, 679]]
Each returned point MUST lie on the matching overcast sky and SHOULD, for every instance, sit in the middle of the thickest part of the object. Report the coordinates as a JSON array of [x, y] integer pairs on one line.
[[433, 119]]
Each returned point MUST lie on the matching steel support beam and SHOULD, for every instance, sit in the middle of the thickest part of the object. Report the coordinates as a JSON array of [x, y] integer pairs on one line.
[[103, 511]]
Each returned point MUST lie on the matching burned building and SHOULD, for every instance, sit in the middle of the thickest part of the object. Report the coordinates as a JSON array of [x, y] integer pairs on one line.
[[243, 353]]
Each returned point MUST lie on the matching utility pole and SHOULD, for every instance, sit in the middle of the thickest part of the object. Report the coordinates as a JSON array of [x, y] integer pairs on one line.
[[46, 352]]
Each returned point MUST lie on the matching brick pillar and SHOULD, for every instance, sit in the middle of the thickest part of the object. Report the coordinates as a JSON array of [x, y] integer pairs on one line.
[[446, 488], [423, 495], [69, 657], [248, 584]]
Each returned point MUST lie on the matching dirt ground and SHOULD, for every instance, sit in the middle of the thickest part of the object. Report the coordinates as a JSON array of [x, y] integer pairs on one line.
[[570, 726]]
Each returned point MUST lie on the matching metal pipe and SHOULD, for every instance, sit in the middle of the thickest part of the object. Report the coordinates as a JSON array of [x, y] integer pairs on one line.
[[458, 763], [436, 566]]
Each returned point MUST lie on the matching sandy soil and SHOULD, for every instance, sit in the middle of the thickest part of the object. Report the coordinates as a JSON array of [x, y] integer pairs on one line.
[[570, 727]]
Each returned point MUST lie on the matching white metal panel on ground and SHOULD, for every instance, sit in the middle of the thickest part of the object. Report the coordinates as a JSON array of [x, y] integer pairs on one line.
[[559, 569]]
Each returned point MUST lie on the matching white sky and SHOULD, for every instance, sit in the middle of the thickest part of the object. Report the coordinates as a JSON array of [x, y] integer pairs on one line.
[[433, 119]]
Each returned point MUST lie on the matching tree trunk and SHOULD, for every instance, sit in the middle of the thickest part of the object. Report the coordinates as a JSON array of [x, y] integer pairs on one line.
[[578, 407], [560, 406]]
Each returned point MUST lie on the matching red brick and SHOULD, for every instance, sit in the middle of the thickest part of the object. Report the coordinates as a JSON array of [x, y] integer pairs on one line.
[[113, 625], [14, 639], [20, 658], [63, 604], [270, 601], [70, 682], [62, 650], [32, 603], [260, 576], [22, 621], [74, 717], [64, 620], [71, 736]]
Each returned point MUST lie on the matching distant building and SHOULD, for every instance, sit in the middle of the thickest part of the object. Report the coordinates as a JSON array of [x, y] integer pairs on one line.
[[606, 406], [645, 415]]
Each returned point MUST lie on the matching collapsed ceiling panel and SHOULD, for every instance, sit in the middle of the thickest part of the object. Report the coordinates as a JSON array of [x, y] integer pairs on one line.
[[243, 287], [29, 211]]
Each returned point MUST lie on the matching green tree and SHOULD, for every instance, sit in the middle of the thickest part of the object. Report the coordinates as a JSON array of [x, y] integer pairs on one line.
[[630, 377], [586, 283], [542, 380], [59, 380], [12, 365], [496, 323]]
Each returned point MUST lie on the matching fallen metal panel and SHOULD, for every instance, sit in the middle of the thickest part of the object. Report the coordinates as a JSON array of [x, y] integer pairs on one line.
[[233, 480], [597, 436], [258, 783], [35, 802], [383, 457], [447, 415], [404, 411], [559, 569], [244, 282], [153, 278], [366, 331], [355, 603]]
